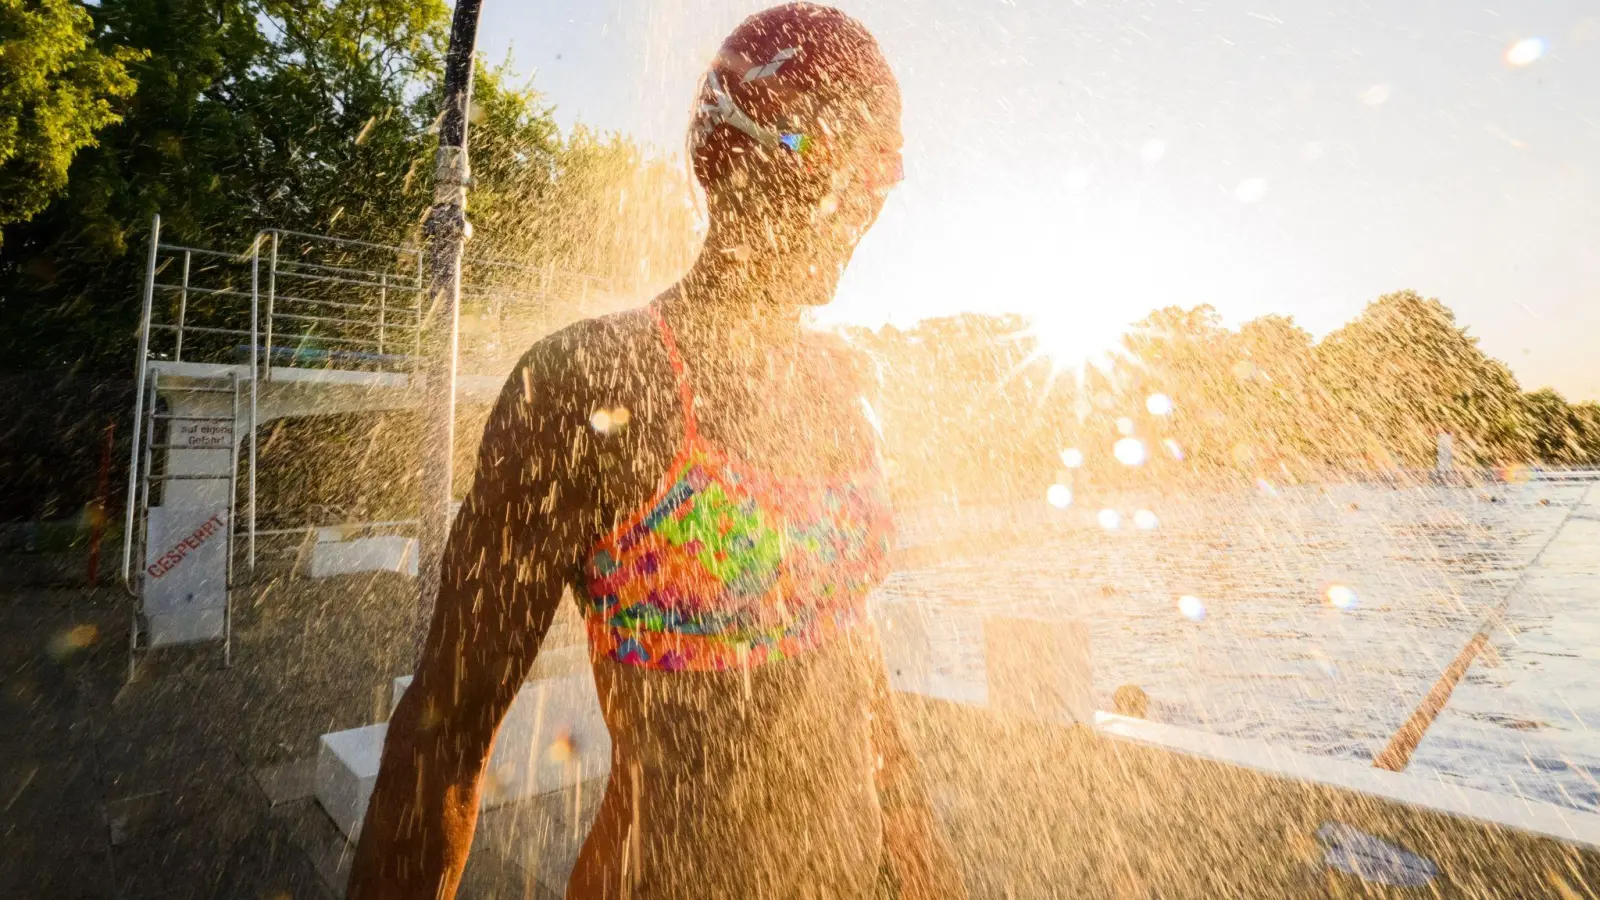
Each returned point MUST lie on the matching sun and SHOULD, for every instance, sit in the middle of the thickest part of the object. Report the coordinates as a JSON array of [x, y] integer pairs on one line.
[[1076, 294]]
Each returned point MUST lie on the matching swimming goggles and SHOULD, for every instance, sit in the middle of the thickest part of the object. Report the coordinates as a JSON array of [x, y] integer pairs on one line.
[[722, 109]]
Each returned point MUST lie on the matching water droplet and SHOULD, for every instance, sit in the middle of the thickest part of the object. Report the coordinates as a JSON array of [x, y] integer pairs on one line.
[[1072, 457], [1153, 150], [1059, 495], [1525, 52], [1376, 95], [606, 421], [1250, 190], [1109, 519], [1158, 404], [1129, 451], [1342, 597], [1145, 520], [1192, 607], [1124, 425], [1173, 448]]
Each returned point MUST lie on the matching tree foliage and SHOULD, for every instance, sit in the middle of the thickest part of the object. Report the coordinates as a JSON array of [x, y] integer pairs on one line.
[[57, 90], [968, 410], [311, 115]]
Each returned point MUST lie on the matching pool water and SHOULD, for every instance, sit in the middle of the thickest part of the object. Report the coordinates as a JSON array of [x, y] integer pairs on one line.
[[1318, 619]]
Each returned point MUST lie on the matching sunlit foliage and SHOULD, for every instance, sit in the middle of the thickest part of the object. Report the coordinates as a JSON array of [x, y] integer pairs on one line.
[[56, 91], [966, 413], [311, 115]]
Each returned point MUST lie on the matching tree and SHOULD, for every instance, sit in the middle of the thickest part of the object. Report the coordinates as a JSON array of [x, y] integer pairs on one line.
[[57, 90], [967, 408], [312, 115], [1556, 431], [1403, 371]]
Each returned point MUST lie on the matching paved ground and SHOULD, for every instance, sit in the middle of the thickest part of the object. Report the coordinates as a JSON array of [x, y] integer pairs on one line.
[[191, 781]]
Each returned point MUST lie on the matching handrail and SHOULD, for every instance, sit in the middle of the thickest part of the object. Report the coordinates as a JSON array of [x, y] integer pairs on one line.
[[213, 292], [167, 326], [357, 323], [334, 279], [349, 242], [415, 310], [140, 368]]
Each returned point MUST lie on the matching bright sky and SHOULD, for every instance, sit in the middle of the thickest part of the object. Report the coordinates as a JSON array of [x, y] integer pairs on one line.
[[1084, 162]]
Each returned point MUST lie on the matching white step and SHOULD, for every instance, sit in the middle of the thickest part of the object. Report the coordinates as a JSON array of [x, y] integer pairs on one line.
[[553, 737], [347, 767], [382, 553]]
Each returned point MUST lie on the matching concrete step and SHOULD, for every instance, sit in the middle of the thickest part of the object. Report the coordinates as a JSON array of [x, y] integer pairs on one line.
[[553, 738]]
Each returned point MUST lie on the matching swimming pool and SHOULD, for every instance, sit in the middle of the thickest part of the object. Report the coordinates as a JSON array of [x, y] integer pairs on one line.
[[1320, 616]]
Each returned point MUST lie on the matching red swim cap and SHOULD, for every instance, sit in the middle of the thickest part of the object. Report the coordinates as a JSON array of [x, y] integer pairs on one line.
[[797, 80]]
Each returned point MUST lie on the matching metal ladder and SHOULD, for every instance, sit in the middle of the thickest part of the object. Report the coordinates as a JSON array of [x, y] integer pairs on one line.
[[145, 447]]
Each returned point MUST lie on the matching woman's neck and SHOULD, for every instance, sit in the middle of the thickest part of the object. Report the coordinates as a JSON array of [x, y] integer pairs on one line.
[[728, 301]]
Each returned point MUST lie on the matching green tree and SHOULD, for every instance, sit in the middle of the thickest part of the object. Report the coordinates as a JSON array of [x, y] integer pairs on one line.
[[57, 90], [1403, 371], [1556, 431], [248, 114]]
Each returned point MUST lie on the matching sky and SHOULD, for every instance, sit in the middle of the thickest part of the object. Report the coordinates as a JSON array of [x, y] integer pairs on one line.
[[1084, 162]]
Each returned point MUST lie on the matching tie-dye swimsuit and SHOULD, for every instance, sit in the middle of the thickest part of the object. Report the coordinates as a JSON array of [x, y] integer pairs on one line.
[[726, 567]]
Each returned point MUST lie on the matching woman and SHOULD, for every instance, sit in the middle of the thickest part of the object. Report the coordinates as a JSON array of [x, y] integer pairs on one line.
[[721, 536]]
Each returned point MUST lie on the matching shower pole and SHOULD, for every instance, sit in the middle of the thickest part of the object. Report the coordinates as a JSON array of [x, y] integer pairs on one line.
[[446, 231]]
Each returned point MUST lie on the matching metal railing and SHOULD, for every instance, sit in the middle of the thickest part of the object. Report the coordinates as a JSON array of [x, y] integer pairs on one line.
[[295, 300], [339, 303]]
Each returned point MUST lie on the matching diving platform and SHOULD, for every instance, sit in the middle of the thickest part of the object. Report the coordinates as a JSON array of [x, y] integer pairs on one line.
[[295, 325]]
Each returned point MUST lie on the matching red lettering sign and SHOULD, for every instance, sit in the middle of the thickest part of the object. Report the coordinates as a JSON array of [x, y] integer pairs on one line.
[[174, 557]]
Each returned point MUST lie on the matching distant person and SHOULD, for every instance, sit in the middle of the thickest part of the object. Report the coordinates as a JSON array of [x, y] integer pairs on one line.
[[702, 474]]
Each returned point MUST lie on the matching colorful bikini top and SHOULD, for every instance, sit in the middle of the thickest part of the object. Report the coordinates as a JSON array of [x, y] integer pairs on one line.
[[726, 567]]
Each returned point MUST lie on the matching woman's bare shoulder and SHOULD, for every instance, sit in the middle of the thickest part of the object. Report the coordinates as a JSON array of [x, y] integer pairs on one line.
[[586, 353]]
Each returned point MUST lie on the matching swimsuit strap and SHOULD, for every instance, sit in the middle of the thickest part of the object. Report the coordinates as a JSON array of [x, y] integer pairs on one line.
[[679, 371]]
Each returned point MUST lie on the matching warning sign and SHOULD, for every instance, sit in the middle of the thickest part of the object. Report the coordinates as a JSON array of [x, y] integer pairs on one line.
[[202, 435], [186, 560]]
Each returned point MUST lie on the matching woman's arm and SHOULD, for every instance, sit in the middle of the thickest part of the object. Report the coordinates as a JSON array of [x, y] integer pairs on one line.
[[510, 552]]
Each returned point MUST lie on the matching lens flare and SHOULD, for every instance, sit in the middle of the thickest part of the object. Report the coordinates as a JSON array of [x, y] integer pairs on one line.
[[1109, 519], [1525, 52], [1192, 607], [1158, 404], [1173, 448], [563, 748], [70, 641], [606, 421], [1342, 597], [1129, 451], [1059, 496]]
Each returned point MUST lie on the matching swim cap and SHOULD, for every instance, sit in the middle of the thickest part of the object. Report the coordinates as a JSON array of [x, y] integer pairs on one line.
[[801, 82]]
